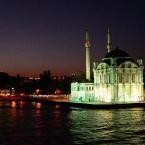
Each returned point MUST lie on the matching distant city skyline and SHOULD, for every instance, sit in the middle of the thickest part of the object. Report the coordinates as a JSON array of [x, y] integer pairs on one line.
[[38, 35]]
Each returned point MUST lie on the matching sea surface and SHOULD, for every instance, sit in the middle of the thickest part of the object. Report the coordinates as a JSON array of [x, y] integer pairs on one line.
[[23, 123]]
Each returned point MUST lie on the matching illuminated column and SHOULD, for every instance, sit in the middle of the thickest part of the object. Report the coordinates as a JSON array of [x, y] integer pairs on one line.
[[87, 45], [114, 90], [108, 41], [141, 67], [95, 64]]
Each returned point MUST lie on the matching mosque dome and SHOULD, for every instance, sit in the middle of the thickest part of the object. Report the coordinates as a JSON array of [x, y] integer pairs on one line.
[[120, 56], [117, 53]]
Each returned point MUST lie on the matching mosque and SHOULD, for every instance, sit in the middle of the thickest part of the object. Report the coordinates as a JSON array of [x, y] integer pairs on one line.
[[118, 78]]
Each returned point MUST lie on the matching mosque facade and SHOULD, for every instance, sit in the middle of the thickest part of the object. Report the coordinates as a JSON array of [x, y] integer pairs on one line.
[[118, 78]]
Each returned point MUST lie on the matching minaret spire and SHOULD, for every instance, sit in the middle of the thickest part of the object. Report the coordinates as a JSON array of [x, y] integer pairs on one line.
[[108, 41], [87, 46]]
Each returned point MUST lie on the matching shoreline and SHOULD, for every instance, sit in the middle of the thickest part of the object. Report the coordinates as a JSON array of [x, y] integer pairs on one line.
[[68, 103]]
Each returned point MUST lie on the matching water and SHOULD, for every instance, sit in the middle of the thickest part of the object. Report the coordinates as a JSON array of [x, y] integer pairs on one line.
[[23, 123]]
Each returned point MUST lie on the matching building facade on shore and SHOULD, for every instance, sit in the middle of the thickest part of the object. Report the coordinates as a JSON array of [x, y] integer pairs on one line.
[[118, 78]]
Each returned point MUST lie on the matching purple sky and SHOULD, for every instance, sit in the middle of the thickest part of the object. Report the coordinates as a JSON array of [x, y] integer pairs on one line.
[[38, 35]]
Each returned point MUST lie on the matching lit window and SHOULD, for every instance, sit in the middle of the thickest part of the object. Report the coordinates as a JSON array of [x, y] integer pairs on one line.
[[119, 77], [127, 78], [108, 78], [133, 78], [100, 79], [104, 78]]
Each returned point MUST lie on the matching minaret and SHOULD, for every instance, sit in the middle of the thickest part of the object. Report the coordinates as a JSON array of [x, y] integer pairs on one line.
[[108, 41], [87, 45]]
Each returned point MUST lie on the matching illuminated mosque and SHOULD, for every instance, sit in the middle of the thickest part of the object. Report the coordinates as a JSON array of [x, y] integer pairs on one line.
[[118, 78]]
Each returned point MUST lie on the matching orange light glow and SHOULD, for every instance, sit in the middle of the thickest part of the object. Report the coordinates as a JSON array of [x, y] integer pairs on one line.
[[13, 104], [38, 105]]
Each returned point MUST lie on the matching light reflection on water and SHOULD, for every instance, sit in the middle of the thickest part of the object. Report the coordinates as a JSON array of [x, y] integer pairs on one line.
[[112, 126], [23, 123]]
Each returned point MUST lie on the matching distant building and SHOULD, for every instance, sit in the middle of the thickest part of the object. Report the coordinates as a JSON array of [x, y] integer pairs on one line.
[[5, 92], [118, 78]]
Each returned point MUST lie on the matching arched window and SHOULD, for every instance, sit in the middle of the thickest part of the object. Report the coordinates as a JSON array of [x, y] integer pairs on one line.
[[133, 77], [109, 78], [100, 79], [127, 78], [120, 77], [104, 81]]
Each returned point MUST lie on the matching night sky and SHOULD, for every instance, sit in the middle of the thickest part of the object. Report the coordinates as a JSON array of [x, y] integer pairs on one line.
[[38, 35]]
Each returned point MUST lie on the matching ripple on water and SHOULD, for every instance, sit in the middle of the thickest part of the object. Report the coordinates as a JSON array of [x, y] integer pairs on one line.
[[55, 125]]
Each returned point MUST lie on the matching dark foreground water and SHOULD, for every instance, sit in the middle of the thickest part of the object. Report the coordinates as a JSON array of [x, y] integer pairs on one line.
[[35, 124]]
